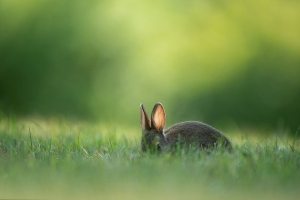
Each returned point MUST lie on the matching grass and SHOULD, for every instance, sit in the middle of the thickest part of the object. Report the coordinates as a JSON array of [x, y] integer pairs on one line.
[[57, 159]]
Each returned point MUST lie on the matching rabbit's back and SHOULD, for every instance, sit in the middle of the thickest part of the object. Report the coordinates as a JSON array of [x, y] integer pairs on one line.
[[195, 133]]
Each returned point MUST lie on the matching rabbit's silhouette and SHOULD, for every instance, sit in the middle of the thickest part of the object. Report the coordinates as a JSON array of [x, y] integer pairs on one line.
[[185, 134]]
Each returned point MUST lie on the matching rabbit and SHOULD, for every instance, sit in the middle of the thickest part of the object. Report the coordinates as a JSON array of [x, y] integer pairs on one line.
[[186, 134]]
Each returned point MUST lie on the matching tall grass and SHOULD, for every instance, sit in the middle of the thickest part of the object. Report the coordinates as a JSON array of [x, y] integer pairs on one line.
[[59, 159]]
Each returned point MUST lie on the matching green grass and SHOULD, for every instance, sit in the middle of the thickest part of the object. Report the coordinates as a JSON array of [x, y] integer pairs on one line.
[[59, 159]]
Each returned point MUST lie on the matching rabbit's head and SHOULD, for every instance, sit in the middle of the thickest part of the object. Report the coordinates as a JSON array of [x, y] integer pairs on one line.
[[152, 130]]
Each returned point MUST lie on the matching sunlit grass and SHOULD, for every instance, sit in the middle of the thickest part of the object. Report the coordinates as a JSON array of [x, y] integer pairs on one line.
[[65, 159]]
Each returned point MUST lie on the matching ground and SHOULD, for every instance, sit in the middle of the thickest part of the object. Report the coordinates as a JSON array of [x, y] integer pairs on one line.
[[57, 159]]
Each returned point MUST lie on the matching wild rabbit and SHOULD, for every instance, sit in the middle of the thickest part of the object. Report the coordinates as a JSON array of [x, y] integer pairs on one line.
[[186, 134]]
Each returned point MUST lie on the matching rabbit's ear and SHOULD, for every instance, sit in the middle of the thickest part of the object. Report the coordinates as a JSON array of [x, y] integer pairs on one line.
[[158, 117], [145, 121]]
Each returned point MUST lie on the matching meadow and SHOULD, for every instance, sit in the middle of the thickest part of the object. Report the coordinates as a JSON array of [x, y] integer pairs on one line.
[[58, 159], [73, 74]]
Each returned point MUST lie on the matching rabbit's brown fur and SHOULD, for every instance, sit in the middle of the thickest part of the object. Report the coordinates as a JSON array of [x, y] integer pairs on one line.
[[195, 133], [185, 134]]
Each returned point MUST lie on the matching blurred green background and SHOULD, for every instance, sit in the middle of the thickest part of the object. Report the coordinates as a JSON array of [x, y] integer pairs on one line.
[[222, 62]]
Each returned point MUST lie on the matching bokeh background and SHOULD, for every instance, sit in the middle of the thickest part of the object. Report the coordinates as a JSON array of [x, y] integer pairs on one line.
[[222, 62]]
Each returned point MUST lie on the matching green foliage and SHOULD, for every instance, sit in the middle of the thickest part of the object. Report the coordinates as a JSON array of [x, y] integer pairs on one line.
[[90, 164], [216, 61]]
